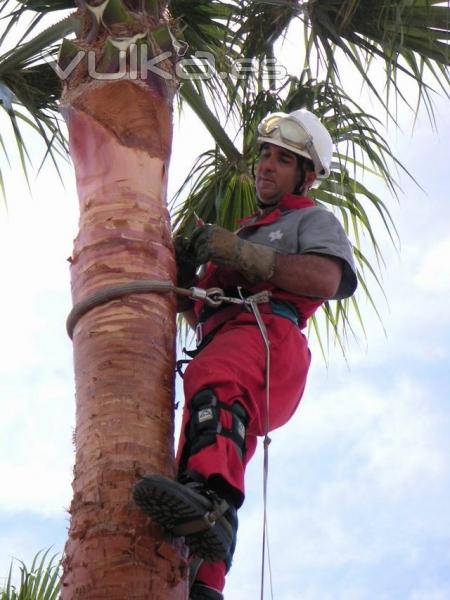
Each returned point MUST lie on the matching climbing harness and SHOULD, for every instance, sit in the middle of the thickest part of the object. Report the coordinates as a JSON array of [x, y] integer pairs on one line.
[[213, 297]]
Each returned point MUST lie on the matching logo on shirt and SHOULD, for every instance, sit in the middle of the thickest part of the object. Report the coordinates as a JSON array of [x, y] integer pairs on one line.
[[275, 235]]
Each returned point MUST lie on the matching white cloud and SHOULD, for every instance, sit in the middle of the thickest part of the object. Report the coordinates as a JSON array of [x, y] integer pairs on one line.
[[36, 383], [434, 271], [36, 452], [12, 547], [431, 593]]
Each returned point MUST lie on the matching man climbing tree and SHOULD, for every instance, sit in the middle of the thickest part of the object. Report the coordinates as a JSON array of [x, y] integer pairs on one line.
[[120, 135], [299, 253]]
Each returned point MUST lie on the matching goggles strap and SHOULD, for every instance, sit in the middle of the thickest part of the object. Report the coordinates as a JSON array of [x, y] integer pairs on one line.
[[314, 156], [299, 188]]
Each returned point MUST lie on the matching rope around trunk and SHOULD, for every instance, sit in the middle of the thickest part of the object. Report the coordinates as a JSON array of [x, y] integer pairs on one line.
[[212, 296], [114, 292]]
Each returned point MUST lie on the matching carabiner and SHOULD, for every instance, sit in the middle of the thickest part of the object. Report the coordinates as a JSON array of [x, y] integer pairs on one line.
[[214, 297]]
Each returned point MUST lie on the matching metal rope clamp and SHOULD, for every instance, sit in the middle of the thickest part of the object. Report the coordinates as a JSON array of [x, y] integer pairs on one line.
[[212, 296]]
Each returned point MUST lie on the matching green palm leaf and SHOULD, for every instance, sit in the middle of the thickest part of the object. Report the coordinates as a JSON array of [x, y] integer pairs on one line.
[[221, 191], [38, 582], [410, 36], [29, 93], [45, 6]]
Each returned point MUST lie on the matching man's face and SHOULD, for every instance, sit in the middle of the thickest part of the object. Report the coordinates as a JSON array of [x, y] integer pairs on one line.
[[277, 174]]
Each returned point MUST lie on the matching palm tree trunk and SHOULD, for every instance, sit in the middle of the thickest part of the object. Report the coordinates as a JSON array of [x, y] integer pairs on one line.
[[120, 139]]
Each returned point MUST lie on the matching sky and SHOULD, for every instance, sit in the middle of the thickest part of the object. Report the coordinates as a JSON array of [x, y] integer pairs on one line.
[[359, 480]]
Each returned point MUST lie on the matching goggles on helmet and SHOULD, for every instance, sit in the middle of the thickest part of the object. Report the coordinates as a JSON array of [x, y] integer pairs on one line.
[[287, 130]]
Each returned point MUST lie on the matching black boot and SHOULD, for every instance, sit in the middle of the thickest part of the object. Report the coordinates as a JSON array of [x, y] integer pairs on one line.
[[190, 509], [200, 591]]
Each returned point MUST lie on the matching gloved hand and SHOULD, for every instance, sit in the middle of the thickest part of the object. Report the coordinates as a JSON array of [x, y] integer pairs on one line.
[[211, 242], [186, 270]]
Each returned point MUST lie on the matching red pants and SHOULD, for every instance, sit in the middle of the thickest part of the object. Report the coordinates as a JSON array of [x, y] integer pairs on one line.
[[233, 365]]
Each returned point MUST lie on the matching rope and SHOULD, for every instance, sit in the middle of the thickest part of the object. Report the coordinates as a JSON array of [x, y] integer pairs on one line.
[[212, 296], [114, 292], [265, 537]]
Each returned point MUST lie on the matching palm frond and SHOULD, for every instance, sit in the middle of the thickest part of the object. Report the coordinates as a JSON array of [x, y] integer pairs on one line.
[[218, 191], [16, 10], [30, 90], [38, 582], [206, 29], [45, 6], [199, 105], [410, 36], [263, 22]]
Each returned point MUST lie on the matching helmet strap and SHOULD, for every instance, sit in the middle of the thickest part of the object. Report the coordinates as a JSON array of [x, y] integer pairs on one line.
[[299, 188]]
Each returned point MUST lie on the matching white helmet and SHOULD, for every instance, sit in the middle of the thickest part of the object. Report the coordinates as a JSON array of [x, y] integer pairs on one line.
[[300, 132]]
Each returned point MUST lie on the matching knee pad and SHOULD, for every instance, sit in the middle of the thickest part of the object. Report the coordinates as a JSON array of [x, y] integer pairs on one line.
[[204, 422]]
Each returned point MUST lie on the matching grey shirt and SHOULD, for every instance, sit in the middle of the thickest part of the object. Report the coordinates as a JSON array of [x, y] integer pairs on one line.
[[307, 230]]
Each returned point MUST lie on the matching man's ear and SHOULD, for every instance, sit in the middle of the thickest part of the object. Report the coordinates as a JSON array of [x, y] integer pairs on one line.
[[310, 177]]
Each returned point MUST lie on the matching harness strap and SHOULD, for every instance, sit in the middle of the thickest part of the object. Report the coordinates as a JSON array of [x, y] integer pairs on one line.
[[204, 328], [222, 315]]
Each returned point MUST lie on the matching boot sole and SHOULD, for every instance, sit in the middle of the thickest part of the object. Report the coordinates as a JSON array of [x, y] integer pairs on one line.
[[171, 504]]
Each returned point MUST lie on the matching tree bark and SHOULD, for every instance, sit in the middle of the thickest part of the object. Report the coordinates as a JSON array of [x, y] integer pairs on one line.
[[120, 139]]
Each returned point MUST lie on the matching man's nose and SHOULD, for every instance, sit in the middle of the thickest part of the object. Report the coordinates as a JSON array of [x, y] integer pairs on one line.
[[268, 163]]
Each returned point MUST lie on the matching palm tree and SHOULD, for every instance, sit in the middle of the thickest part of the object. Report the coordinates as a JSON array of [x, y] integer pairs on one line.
[[118, 111]]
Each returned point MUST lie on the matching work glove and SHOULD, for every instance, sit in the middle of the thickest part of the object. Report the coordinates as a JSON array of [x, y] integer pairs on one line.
[[254, 261], [186, 270]]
